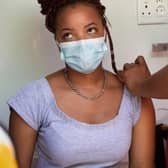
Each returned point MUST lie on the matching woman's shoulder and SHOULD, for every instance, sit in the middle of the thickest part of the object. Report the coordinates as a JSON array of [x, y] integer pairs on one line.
[[36, 89], [56, 81], [33, 87], [114, 81], [39, 86], [29, 94], [56, 77], [30, 102]]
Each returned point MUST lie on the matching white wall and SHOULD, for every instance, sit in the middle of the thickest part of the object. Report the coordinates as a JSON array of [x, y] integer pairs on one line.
[[28, 50]]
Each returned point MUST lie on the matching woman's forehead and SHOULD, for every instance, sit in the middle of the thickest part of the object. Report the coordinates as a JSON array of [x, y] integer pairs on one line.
[[78, 14]]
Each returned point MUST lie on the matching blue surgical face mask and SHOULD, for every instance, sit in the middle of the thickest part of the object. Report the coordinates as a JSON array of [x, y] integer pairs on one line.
[[85, 55]]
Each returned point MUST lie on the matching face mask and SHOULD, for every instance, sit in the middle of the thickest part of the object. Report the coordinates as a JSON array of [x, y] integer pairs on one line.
[[85, 55]]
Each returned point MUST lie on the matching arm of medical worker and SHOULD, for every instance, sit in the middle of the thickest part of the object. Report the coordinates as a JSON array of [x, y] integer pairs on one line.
[[139, 81]]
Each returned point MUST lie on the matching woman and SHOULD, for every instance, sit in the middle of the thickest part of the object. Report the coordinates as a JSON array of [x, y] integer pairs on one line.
[[81, 116]]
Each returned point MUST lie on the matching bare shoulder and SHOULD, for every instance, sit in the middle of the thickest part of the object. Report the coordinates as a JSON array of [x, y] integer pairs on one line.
[[56, 79], [55, 75], [113, 80], [114, 88]]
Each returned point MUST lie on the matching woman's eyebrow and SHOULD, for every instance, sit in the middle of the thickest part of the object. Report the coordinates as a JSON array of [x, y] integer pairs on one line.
[[67, 29], [71, 29], [90, 24]]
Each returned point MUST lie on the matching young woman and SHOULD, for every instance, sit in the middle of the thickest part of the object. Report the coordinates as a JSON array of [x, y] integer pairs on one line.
[[81, 116]]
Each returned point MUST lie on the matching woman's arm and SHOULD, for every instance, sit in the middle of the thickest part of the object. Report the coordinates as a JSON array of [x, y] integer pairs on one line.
[[143, 142], [24, 139]]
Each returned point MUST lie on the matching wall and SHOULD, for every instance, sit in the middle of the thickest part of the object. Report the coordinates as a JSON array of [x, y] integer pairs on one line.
[[28, 50]]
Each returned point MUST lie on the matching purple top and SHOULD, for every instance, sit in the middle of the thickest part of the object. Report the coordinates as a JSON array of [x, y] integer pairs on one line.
[[65, 142]]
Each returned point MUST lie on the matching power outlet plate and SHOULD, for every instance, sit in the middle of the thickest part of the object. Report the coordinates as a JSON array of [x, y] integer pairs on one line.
[[152, 11]]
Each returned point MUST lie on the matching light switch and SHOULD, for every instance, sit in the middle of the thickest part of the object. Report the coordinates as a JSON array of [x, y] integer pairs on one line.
[[152, 11]]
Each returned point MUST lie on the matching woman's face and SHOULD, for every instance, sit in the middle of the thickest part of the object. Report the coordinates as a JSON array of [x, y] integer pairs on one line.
[[79, 21]]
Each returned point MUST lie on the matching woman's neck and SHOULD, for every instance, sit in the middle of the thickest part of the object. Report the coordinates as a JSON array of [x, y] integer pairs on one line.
[[86, 80]]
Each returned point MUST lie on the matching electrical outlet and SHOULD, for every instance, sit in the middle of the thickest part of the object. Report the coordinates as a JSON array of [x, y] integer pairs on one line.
[[152, 11]]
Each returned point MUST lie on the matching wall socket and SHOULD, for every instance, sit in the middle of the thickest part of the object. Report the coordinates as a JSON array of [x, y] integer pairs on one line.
[[152, 11]]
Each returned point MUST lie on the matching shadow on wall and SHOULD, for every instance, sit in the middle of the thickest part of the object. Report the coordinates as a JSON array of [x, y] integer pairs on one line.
[[33, 44], [25, 42]]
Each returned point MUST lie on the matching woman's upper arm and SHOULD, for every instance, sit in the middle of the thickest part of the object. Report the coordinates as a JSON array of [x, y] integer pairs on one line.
[[24, 139], [143, 141]]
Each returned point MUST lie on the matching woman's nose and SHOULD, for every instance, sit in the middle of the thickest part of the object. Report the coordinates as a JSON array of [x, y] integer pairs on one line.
[[82, 35]]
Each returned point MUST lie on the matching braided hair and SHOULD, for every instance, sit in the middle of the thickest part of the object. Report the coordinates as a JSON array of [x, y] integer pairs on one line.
[[51, 8]]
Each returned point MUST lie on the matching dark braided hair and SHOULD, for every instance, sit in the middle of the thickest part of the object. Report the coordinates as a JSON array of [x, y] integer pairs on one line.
[[51, 8]]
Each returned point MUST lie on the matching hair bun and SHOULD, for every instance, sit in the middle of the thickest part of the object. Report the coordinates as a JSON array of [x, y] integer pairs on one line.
[[45, 6]]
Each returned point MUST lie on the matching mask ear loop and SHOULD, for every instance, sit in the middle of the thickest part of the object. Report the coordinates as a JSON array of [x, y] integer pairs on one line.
[[60, 51], [57, 43]]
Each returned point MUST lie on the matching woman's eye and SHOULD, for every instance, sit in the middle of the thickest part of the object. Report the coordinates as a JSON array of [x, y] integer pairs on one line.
[[91, 30], [67, 36]]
